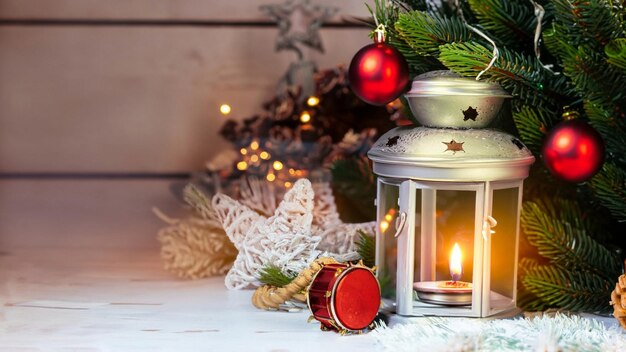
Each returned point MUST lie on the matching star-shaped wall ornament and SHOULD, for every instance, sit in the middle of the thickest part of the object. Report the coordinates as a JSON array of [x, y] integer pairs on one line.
[[470, 114], [298, 23], [454, 146]]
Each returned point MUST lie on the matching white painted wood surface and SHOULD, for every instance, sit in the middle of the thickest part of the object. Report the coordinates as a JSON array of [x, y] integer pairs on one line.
[[236, 10], [95, 300]]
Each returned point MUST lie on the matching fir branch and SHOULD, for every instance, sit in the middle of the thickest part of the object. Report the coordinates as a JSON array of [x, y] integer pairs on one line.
[[609, 185], [426, 32], [415, 5], [354, 179], [578, 38], [273, 276], [590, 23], [417, 63], [199, 202], [594, 79], [512, 23], [366, 247], [612, 130], [384, 12], [559, 231], [562, 287], [526, 299], [532, 125], [616, 52], [522, 76]]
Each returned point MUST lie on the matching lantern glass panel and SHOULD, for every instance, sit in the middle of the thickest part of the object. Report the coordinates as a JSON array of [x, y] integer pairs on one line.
[[387, 256], [455, 216], [418, 234], [503, 247], [445, 218]]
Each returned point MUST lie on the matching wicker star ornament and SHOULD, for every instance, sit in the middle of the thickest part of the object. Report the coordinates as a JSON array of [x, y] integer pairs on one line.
[[303, 226]]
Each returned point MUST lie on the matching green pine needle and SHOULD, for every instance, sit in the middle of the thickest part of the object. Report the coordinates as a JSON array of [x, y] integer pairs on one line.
[[610, 187], [424, 32], [612, 130], [521, 75], [354, 179], [616, 51], [589, 23], [568, 289], [558, 228], [272, 275], [531, 124], [366, 247], [511, 22], [199, 201]]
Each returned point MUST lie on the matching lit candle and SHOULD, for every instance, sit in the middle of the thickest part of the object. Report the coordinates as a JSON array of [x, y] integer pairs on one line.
[[456, 270], [451, 292]]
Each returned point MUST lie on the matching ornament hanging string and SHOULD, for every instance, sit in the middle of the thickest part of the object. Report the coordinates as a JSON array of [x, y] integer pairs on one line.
[[539, 12], [495, 52], [379, 33]]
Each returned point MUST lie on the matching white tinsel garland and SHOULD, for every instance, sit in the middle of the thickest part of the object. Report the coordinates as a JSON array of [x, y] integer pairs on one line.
[[544, 333]]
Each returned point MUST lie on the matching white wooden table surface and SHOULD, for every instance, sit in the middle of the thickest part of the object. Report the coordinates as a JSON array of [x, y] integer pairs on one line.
[[94, 300]]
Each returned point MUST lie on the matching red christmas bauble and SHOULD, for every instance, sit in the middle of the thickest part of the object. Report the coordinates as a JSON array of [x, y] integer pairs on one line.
[[378, 74], [573, 151]]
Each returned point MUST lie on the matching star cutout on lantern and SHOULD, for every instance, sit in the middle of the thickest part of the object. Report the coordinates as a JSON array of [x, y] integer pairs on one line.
[[392, 141], [298, 23], [518, 143], [454, 146], [470, 114]]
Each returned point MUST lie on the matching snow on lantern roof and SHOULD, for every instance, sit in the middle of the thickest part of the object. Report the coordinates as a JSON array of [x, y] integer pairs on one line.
[[430, 151]]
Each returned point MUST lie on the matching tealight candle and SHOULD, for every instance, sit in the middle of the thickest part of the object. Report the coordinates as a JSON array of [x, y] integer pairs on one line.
[[454, 292]]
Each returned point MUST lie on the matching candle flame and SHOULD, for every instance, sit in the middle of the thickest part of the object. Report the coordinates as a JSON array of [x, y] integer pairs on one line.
[[455, 263]]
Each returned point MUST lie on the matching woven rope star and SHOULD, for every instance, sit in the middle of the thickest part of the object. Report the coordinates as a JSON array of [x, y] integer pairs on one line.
[[304, 224], [283, 240]]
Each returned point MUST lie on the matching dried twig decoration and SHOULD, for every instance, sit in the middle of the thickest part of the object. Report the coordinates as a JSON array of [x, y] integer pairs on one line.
[[195, 248]]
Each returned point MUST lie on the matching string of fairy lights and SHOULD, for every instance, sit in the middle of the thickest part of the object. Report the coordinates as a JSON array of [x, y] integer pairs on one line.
[[254, 156]]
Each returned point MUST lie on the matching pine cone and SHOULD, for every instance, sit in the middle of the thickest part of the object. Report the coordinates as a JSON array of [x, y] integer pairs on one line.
[[618, 300]]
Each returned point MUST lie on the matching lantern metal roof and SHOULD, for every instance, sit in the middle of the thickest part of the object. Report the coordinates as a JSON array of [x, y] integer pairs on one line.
[[447, 154]]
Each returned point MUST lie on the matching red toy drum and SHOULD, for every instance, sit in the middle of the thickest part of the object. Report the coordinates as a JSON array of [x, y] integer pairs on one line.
[[344, 297]]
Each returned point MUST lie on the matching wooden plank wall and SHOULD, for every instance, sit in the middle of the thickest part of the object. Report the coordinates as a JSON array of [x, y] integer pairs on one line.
[[104, 103]]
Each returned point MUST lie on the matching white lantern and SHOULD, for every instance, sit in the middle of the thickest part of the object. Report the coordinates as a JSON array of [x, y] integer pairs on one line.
[[448, 202]]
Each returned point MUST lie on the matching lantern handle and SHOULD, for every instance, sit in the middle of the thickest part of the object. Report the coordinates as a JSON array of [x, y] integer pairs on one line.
[[487, 225], [400, 225]]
